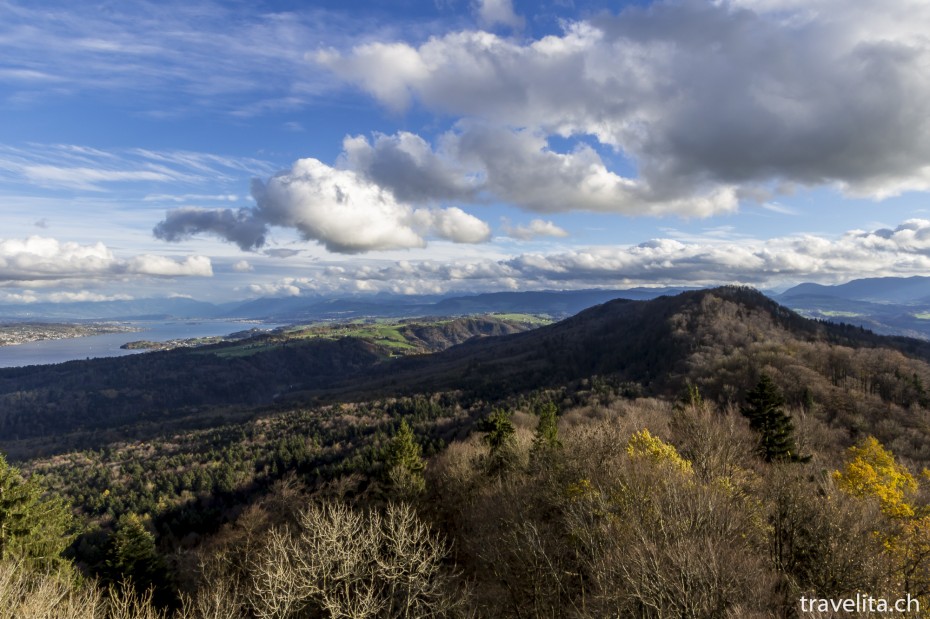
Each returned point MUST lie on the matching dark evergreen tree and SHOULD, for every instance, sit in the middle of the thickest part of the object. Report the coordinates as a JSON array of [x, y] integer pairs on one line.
[[500, 438], [33, 528], [404, 463], [133, 554], [547, 432], [763, 408]]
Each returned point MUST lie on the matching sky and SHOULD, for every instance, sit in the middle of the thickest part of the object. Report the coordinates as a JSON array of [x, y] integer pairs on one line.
[[232, 150]]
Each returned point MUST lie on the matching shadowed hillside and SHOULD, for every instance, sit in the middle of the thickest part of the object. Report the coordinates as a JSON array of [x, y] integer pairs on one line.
[[655, 343]]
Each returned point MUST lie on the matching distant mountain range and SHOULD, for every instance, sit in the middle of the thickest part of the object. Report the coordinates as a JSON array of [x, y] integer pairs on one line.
[[886, 305], [886, 290], [558, 304]]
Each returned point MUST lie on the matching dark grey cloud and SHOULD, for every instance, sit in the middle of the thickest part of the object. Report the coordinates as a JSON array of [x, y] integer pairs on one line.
[[240, 226], [406, 164], [282, 252]]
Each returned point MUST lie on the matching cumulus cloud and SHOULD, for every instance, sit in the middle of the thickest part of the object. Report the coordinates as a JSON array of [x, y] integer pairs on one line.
[[347, 213], [242, 266], [482, 162], [43, 259], [702, 97], [342, 210], [535, 229], [903, 250], [520, 168], [406, 164]]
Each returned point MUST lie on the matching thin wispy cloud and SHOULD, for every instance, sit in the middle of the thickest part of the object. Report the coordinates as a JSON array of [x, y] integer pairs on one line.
[[88, 169]]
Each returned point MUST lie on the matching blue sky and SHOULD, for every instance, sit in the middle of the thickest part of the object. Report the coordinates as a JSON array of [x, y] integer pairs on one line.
[[227, 150]]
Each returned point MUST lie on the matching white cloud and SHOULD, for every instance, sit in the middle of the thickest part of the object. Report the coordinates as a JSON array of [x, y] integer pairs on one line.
[[343, 211], [162, 266], [521, 169], [708, 100], [452, 224], [85, 296], [242, 266], [903, 250], [480, 162], [348, 214], [88, 178], [535, 229], [191, 197], [283, 288], [47, 261]]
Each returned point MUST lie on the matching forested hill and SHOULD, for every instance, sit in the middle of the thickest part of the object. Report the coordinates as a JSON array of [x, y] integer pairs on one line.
[[114, 398], [720, 337]]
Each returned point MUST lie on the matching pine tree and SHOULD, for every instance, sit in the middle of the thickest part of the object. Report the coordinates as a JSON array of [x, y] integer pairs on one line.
[[133, 554], [500, 438], [33, 528], [763, 408], [404, 463], [547, 432]]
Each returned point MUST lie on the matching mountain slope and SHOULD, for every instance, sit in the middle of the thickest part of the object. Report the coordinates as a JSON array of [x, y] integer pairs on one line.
[[658, 344], [875, 289]]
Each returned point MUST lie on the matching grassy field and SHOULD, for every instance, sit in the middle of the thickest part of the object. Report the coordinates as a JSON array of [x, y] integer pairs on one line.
[[385, 332]]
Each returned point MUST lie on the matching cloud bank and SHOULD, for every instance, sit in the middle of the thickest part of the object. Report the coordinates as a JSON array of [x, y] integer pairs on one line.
[[903, 250], [47, 261]]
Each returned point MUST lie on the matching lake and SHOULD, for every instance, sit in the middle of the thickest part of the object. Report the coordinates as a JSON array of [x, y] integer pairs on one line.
[[108, 345]]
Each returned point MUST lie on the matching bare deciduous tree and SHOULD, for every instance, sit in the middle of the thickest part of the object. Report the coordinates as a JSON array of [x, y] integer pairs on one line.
[[350, 564]]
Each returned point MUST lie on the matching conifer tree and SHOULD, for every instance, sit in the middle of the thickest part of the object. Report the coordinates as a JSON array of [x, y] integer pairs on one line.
[[404, 463], [547, 432], [500, 438], [763, 408], [33, 528], [134, 556]]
